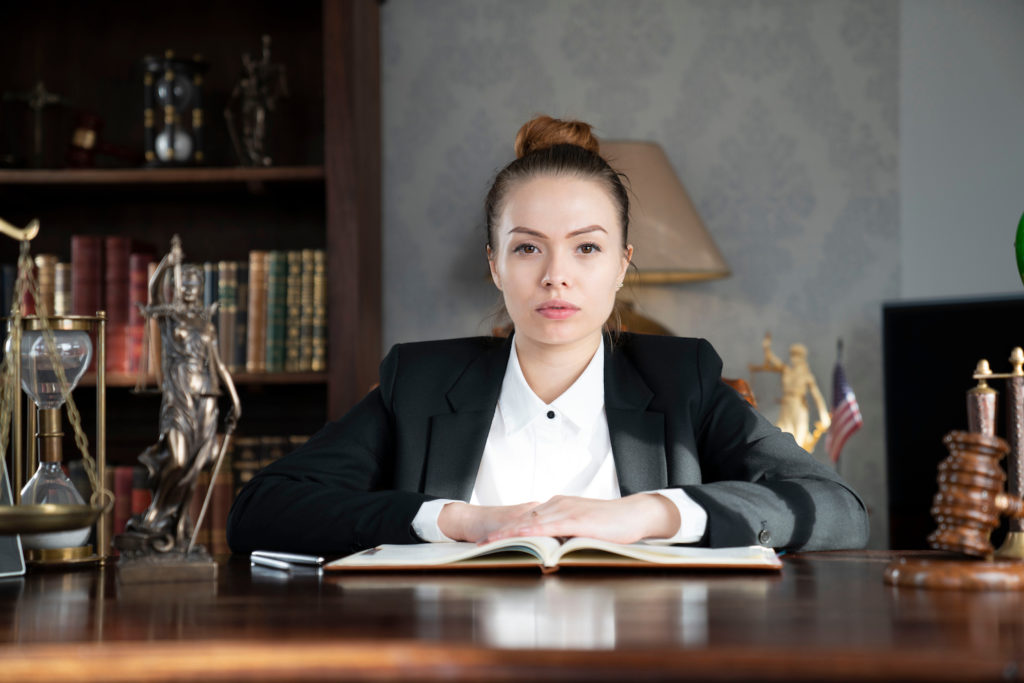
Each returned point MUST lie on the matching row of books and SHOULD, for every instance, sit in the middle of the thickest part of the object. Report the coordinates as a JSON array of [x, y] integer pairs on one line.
[[271, 309], [246, 455]]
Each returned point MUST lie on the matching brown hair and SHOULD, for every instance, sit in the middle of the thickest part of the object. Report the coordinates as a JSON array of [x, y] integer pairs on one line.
[[548, 146]]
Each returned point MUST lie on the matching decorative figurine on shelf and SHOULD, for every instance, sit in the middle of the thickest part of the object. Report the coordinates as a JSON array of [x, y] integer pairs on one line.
[[797, 380], [256, 93], [175, 88], [37, 100], [193, 376]]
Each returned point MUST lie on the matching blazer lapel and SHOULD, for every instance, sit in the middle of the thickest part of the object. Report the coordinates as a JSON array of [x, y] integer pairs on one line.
[[457, 438], [637, 435]]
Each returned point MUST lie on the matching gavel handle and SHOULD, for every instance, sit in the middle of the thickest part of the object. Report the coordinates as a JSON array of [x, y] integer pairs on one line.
[[1010, 506]]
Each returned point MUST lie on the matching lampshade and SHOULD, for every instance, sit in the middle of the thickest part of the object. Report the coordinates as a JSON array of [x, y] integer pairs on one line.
[[670, 241]]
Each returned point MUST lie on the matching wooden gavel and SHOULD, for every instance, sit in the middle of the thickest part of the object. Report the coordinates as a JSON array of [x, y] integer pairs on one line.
[[972, 496]]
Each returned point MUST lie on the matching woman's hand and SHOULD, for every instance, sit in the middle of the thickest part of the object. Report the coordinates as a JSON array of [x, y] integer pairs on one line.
[[465, 522], [623, 520]]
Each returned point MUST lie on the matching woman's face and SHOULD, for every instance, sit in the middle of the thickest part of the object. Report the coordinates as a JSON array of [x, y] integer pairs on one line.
[[558, 258]]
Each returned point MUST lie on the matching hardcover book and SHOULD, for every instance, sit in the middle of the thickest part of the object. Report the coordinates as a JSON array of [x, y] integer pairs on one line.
[[256, 345], [548, 554], [277, 310]]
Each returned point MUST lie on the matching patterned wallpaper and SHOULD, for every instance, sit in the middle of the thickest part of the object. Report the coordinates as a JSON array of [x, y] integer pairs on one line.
[[780, 117]]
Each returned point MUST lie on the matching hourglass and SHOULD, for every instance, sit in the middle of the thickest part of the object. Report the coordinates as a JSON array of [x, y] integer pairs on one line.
[[46, 357]]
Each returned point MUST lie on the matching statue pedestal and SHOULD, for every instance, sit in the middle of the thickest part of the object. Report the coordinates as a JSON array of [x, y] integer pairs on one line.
[[171, 567]]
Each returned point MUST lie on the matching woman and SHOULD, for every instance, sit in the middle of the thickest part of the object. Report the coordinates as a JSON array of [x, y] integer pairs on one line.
[[560, 430]]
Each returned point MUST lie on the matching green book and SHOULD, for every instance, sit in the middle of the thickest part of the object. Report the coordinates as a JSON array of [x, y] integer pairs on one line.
[[277, 310]]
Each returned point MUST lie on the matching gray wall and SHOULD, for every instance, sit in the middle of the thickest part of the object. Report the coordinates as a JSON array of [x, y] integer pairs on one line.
[[961, 146], [781, 118]]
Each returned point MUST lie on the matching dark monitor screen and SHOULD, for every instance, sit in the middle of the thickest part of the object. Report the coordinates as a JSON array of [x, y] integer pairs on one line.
[[930, 351]]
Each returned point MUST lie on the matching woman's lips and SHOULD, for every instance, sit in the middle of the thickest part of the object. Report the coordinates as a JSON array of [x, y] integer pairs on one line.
[[557, 310]]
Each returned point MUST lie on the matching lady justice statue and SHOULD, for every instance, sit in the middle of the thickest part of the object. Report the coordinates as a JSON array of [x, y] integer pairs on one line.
[[797, 380], [193, 376]]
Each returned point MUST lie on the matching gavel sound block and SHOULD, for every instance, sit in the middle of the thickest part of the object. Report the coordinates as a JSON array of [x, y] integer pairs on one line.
[[967, 508]]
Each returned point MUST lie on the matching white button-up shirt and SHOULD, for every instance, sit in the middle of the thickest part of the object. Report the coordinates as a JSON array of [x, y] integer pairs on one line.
[[536, 450]]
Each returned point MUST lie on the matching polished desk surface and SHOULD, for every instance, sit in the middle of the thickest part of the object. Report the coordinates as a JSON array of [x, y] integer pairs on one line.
[[826, 615]]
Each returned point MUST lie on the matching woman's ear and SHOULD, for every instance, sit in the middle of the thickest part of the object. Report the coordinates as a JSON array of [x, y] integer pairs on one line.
[[494, 269], [627, 257]]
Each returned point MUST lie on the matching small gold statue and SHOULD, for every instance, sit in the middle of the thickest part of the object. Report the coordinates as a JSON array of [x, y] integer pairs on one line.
[[797, 380], [193, 376]]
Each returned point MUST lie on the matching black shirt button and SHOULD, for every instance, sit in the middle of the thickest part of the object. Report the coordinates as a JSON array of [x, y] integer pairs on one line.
[[551, 415]]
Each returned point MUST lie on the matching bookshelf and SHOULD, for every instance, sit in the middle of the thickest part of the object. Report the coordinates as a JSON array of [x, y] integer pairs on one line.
[[160, 176], [323, 192]]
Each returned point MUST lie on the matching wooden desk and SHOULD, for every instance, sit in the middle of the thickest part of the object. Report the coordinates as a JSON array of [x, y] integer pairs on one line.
[[825, 616]]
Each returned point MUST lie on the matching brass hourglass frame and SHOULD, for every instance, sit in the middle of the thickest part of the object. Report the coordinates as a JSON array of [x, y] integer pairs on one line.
[[29, 519], [46, 518]]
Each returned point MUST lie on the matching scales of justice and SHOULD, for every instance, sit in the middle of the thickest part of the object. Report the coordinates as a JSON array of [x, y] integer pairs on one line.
[[50, 354], [974, 493]]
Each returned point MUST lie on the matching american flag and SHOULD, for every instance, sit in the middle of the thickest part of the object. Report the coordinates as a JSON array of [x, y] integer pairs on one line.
[[846, 417]]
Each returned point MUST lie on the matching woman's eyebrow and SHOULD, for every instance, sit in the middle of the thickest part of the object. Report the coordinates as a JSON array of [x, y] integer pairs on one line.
[[589, 228], [582, 231]]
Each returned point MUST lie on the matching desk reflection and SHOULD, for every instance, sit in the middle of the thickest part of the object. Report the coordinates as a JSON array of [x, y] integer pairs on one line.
[[567, 612]]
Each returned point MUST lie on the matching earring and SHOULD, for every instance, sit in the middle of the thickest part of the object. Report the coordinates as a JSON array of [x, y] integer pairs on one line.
[[618, 286]]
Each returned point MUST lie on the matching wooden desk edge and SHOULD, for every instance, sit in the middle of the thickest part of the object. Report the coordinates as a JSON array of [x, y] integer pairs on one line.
[[419, 660]]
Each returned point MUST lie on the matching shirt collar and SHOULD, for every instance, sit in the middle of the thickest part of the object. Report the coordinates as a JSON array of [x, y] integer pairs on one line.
[[580, 404]]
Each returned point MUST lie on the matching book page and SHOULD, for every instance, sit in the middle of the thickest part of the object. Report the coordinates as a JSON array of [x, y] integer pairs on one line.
[[439, 554], [582, 551]]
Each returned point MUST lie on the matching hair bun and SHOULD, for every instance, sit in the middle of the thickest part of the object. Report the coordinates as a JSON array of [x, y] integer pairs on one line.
[[543, 132]]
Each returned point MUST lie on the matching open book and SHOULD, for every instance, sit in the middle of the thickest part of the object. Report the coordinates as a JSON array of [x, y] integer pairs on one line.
[[551, 553]]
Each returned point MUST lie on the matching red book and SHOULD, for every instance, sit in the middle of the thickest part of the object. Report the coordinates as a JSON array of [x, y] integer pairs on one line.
[[86, 274], [142, 496], [122, 496], [117, 263], [138, 293]]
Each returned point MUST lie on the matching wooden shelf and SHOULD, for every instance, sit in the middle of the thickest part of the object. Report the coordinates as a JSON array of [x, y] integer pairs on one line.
[[161, 176], [123, 379]]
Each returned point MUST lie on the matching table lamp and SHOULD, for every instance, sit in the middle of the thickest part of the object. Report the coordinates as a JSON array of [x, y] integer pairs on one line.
[[669, 239]]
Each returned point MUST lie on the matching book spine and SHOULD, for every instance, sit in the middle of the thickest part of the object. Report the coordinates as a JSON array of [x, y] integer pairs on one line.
[[277, 272], [227, 293], [293, 312], [62, 289], [210, 288], [28, 304], [46, 274], [154, 368], [142, 496], [242, 314], [123, 479], [245, 461], [319, 310], [8, 275], [194, 507], [255, 352], [86, 274], [220, 506], [138, 292], [306, 313], [116, 297]]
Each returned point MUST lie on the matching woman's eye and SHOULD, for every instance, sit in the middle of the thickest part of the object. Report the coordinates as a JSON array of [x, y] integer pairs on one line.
[[525, 249], [589, 248]]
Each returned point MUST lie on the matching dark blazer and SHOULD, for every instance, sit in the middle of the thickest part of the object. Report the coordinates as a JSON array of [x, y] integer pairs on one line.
[[420, 435]]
